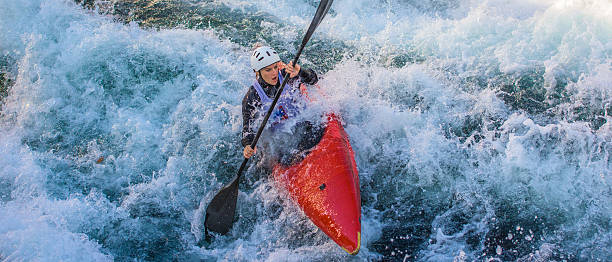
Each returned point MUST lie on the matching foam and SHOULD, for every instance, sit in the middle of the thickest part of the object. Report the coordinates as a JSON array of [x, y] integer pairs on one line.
[[437, 151]]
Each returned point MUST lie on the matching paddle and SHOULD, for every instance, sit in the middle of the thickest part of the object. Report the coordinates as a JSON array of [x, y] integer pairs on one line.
[[220, 211]]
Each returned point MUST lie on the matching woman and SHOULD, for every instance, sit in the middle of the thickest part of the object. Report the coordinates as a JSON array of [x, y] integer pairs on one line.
[[269, 73]]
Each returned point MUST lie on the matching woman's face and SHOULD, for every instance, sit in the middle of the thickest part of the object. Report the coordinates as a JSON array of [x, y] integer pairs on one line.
[[270, 74]]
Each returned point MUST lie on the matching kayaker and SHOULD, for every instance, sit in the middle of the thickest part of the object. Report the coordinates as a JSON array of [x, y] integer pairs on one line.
[[269, 71]]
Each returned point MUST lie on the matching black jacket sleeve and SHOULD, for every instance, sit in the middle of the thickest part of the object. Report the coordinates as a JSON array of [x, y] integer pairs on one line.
[[249, 115], [308, 76]]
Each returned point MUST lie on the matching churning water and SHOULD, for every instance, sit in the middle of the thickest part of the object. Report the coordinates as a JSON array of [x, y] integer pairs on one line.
[[481, 129]]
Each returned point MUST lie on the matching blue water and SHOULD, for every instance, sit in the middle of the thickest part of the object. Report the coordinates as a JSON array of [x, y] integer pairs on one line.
[[481, 130]]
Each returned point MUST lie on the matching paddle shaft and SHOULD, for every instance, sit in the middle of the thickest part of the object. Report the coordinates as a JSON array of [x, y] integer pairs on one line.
[[221, 209], [316, 20]]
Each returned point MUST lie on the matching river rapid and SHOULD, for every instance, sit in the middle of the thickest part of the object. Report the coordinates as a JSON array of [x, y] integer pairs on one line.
[[481, 129]]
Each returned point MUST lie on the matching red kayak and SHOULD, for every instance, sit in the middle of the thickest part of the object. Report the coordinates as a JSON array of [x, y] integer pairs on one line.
[[325, 184]]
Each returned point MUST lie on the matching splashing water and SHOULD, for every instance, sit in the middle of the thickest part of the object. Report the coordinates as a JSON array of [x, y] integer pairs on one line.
[[481, 130]]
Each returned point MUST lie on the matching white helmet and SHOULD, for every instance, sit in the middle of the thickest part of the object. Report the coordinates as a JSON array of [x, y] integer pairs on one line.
[[262, 57]]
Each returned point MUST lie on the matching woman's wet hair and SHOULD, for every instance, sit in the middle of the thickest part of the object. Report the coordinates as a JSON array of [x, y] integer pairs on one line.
[[257, 45]]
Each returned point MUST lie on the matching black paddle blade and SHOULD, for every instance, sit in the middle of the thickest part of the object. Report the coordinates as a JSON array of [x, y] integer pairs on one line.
[[324, 6], [220, 212]]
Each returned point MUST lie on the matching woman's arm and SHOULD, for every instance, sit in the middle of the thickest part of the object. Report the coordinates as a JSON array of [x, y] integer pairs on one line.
[[309, 76], [249, 112]]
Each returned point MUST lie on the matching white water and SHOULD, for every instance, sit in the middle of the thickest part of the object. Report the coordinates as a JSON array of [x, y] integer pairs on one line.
[[438, 149]]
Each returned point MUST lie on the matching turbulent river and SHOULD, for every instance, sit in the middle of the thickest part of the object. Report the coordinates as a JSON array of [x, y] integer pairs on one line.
[[481, 129]]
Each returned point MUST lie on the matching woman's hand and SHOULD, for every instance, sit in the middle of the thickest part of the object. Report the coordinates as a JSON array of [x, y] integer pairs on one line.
[[248, 151], [293, 71]]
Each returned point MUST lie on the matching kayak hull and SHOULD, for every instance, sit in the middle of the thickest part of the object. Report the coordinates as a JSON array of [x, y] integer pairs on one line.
[[325, 184]]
